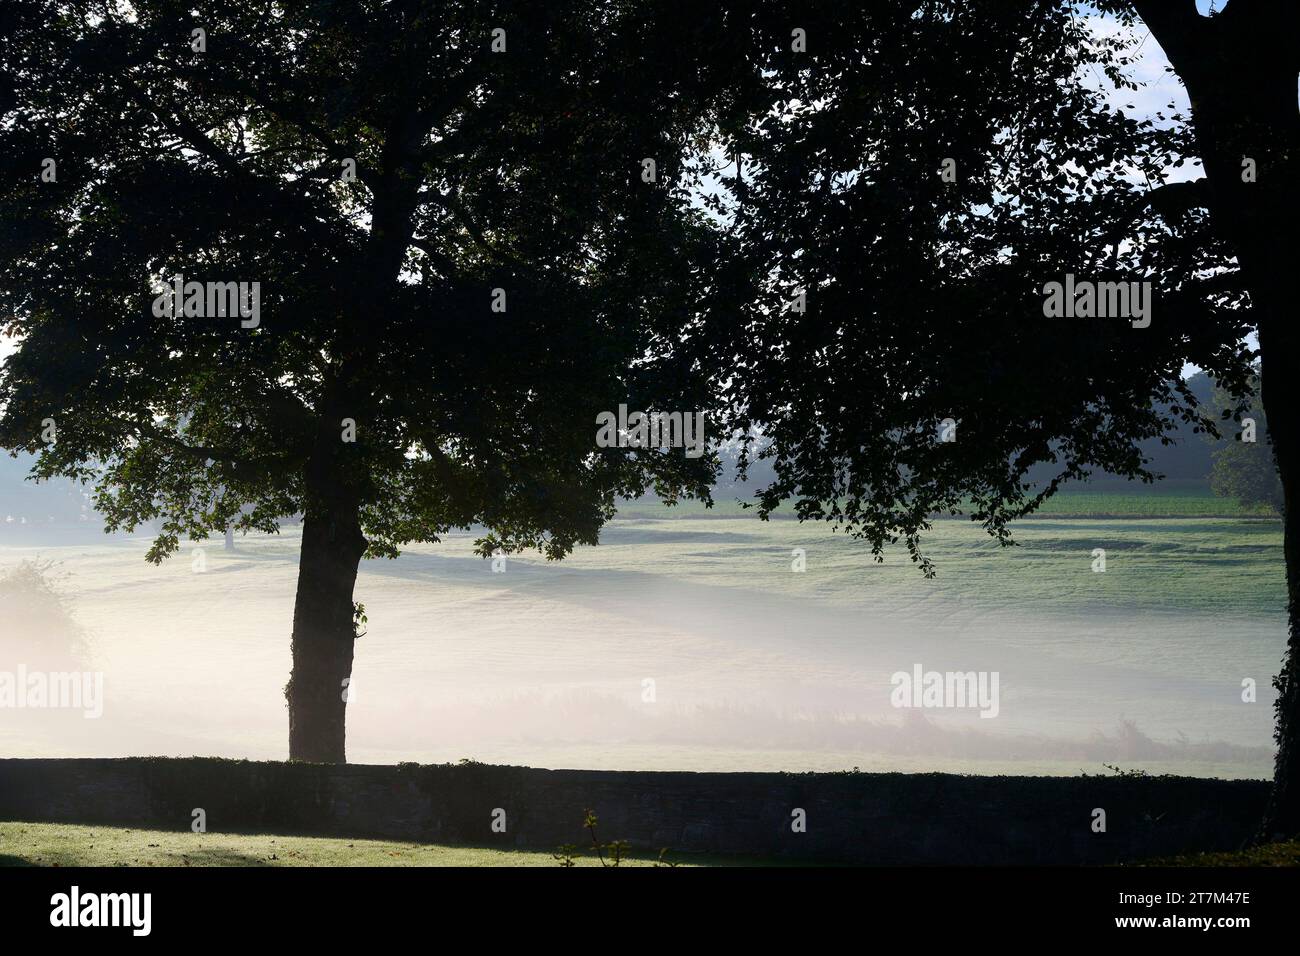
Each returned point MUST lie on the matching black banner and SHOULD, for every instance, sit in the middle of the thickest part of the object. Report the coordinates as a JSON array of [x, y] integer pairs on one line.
[[334, 905]]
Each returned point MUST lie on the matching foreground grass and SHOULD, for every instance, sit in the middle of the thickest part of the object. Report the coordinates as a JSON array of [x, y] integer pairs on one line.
[[55, 844], [1270, 854]]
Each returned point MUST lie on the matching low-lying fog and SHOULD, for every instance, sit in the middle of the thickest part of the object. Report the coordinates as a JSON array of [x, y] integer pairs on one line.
[[679, 643]]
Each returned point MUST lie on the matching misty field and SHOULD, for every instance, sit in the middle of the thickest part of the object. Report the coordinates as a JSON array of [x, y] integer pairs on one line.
[[686, 641]]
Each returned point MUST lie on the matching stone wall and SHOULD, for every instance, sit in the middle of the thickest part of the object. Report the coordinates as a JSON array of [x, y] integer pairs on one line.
[[851, 817]]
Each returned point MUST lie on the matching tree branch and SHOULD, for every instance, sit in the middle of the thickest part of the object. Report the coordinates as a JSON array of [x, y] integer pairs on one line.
[[433, 252], [189, 132], [1178, 27], [1170, 200]]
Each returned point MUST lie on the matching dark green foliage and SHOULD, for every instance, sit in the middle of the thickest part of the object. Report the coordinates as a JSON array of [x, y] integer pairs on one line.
[[476, 171], [924, 298], [610, 855], [1246, 470]]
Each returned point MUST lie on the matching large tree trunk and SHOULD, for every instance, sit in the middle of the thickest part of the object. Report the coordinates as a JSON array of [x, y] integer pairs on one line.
[[1281, 376], [332, 541], [323, 635], [1240, 71]]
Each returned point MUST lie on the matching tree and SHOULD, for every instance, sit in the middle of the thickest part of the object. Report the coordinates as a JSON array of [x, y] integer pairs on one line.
[[905, 254], [920, 211], [1240, 68], [444, 259], [1244, 467], [914, 223]]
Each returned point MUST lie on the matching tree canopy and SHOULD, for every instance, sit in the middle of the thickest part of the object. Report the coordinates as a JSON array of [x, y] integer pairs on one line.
[[416, 248], [911, 245], [225, 156], [907, 190]]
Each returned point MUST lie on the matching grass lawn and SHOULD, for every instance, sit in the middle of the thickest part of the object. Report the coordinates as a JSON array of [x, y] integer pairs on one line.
[[57, 844], [1155, 562], [1270, 854]]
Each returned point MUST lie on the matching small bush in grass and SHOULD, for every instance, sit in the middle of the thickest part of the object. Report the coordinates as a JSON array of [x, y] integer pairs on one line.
[[39, 625], [609, 854]]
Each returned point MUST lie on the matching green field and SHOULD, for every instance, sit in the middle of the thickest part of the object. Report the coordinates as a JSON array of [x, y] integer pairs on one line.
[[1160, 500], [57, 844], [1154, 562], [1173, 498]]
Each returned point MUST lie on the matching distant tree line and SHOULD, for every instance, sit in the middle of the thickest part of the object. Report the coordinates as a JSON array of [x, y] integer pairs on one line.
[[1231, 468], [1226, 465]]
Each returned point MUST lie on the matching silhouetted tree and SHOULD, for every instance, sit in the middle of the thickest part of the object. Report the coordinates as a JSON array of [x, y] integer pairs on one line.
[[911, 185], [462, 258], [909, 188], [900, 194], [1240, 68]]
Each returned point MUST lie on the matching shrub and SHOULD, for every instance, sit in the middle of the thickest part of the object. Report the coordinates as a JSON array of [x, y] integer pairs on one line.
[[37, 616]]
